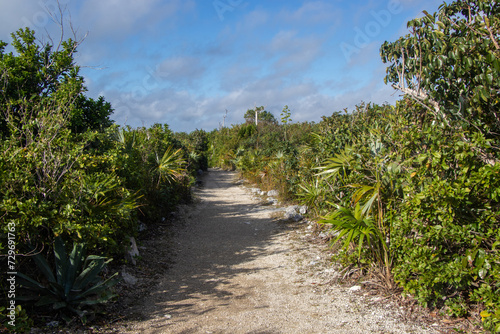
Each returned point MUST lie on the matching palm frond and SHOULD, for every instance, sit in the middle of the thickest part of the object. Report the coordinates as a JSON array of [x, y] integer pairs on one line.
[[171, 165]]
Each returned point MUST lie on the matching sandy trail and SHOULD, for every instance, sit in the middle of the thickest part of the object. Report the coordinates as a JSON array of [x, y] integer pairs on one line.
[[238, 271]]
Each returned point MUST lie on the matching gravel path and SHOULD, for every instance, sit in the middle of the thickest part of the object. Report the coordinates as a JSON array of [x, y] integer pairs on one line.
[[239, 271]]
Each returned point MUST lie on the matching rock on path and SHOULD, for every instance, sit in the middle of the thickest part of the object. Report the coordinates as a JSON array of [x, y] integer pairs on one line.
[[238, 271]]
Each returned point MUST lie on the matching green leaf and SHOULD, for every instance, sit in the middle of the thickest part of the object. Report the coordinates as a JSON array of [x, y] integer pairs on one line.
[[429, 16], [480, 258], [44, 267], [75, 264], [89, 274], [439, 33], [422, 158], [59, 305], [484, 94], [489, 78], [47, 300], [99, 288], [99, 300], [61, 260], [29, 282], [496, 65]]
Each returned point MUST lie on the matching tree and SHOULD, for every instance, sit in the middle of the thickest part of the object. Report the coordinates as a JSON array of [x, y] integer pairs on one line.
[[267, 117], [53, 182], [90, 114], [449, 219], [262, 116], [38, 75], [450, 64], [46, 75]]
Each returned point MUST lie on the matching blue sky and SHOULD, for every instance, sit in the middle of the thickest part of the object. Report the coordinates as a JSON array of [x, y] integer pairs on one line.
[[185, 62]]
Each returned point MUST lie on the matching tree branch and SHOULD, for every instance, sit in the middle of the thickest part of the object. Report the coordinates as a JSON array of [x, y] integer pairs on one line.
[[420, 96], [492, 37]]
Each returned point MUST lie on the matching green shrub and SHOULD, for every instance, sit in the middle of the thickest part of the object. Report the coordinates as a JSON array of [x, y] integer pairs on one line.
[[22, 323]]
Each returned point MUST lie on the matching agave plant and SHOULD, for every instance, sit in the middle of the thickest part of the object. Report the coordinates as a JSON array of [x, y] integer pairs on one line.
[[75, 284]]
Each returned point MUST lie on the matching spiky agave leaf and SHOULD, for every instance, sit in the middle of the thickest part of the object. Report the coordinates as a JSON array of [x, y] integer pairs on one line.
[[76, 284], [90, 274]]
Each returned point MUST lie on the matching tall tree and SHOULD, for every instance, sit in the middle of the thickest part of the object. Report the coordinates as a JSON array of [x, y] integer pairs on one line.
[[37, 74], [450, 64], [261, 114]]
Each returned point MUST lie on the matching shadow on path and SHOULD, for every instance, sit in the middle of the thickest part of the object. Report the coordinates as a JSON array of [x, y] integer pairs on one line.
[[224, 232]]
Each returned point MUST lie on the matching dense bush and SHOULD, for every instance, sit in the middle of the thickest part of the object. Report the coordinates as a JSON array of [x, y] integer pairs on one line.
[[446, 236], [49, 183]]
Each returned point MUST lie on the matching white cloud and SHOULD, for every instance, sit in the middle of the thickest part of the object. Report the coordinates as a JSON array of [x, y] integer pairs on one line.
[[121, 18], [180, 69], [237, 75], [19, 15], [282, 41], [169, 62], [184, 111], [312, 12], [295, 53], [255, 19]]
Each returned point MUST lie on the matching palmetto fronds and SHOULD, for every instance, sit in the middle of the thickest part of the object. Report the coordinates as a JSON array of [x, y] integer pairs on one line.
[[312, 194], [339, 165], [355, 226], [171, 165]]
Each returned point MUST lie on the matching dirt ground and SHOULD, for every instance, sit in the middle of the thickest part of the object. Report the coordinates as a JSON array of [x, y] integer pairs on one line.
[[235, 269]]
